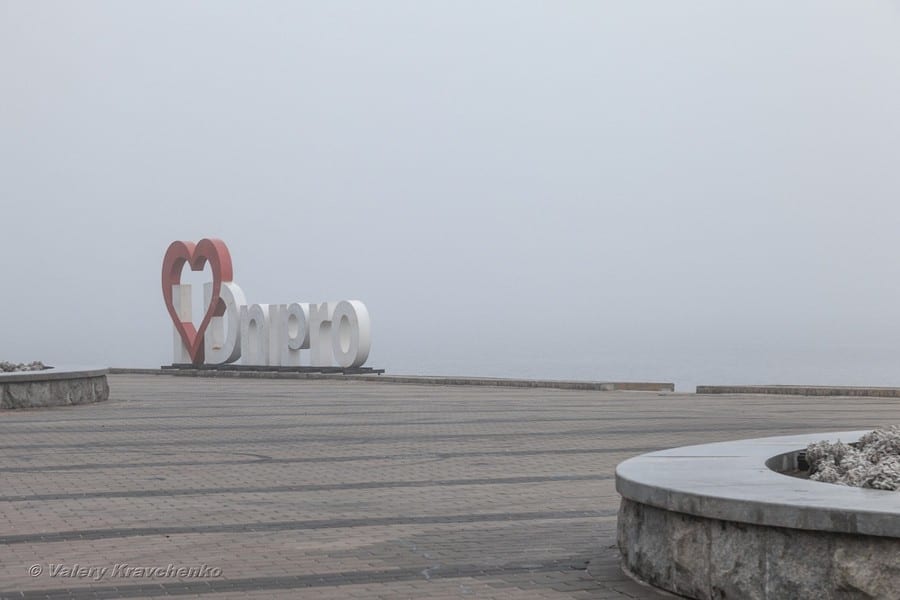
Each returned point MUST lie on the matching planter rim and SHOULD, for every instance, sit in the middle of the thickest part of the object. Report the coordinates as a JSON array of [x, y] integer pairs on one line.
[[731, 482], [53, 373]]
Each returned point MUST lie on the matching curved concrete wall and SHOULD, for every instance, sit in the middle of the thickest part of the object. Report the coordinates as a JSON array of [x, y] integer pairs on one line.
[[713, 521], [59, 386]]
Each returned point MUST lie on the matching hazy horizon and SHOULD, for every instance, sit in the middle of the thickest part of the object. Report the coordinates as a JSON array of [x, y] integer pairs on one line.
[[695, 192]]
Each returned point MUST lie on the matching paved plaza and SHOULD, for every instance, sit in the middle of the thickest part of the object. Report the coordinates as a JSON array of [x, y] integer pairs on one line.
[[259, 488]]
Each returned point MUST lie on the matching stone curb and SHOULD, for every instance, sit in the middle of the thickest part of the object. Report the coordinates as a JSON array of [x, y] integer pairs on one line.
[[58, 386], [800, 390], [725, 521]]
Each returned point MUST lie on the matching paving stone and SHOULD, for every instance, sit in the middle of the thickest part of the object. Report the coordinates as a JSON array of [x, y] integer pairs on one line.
[[332, 489]]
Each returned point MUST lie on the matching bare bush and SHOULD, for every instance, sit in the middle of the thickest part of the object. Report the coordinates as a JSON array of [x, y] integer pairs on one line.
[[872, 462], [8, 367]]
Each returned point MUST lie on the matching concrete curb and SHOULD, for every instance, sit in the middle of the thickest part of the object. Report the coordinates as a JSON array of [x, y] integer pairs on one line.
[[800, 390], [53, 374], [603, 386], [731, 481]]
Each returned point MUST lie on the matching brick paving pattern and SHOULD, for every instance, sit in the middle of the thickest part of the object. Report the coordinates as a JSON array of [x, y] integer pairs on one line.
[[319, 489]]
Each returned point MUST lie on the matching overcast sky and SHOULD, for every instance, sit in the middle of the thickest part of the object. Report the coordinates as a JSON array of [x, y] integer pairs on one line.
[[698, 192]]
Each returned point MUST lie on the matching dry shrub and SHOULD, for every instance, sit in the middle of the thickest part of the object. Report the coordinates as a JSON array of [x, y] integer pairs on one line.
[[872, 462]]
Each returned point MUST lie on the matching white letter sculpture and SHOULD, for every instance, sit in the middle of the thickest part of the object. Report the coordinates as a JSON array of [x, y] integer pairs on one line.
[[257, 334]]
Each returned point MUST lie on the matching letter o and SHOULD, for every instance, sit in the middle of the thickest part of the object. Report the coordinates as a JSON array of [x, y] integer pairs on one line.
[[297, 326], [351, 333]]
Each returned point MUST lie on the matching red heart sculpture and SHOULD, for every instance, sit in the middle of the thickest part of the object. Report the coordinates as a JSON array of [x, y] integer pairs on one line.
[[211, 251]]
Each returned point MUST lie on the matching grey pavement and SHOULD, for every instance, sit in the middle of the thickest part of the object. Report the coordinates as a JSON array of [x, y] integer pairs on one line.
[[313, 489]]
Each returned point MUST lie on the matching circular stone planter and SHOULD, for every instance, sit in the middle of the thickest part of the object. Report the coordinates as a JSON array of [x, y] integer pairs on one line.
[[723, 521], [58, 386]]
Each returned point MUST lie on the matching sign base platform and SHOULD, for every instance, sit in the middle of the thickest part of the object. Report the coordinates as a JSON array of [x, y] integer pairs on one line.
[[268, 369]]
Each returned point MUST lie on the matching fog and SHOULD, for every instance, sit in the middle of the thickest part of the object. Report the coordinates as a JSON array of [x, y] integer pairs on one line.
[[697, 192]]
